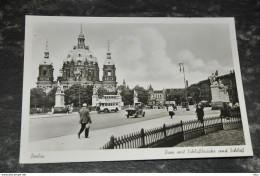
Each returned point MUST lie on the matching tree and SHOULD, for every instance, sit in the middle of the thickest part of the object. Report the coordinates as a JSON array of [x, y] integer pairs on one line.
[[194, 92], [142, 94], [101, 92], [177, 96], [78, 94], [51, 97], [37, 98], [127, 95]]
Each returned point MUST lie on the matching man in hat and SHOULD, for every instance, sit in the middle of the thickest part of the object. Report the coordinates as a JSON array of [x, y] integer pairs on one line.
[[200, 112], [85, 120]]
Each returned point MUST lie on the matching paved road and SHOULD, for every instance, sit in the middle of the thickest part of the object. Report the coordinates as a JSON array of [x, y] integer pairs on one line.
[[46, 127]]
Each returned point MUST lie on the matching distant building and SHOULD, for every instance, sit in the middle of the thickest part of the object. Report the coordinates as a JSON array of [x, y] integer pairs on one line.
[[160, 97], [156, 97]]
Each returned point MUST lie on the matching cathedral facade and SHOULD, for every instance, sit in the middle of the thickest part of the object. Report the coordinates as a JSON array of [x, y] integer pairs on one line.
[[79, 67]]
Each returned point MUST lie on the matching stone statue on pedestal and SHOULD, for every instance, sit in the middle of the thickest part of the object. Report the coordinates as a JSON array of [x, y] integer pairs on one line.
[[59, 99], [95, 90], [219, 93], [135, 97], [119, 92], [59, 88]]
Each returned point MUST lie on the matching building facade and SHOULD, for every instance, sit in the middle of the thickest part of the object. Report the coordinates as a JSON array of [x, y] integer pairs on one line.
[[79, 67]]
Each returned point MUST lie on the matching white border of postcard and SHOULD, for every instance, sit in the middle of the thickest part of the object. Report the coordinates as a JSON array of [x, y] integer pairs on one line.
[[125, 154]]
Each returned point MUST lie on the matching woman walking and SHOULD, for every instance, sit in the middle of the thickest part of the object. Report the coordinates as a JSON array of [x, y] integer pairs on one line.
[[170, 109]]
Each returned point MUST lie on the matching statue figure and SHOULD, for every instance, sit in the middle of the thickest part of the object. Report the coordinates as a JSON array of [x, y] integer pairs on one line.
[[77, 73], [222, 86], [212, 79], [119, 92], [135, 94], [60, 88], [95, 90]]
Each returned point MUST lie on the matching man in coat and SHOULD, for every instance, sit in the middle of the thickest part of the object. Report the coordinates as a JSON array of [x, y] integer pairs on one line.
[[84, 120], [200, 112]]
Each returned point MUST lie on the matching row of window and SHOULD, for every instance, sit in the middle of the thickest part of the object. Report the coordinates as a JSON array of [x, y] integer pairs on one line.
[[110, 97], [109, 104], [157, 96]]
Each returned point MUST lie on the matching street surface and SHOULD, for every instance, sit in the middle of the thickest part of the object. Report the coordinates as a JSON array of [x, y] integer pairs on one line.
[[59, 132]]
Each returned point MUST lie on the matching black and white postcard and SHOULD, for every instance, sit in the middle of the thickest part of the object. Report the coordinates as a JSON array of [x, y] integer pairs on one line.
[[108, 89]]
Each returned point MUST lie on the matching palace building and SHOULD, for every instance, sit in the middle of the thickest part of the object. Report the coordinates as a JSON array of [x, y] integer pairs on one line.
[[79, 67]]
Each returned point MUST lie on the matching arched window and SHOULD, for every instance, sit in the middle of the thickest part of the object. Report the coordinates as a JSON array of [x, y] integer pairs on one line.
[[44, 72]]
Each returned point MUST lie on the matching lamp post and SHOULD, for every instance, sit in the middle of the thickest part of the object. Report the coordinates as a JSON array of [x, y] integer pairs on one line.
[[77, 73], [185, 85]]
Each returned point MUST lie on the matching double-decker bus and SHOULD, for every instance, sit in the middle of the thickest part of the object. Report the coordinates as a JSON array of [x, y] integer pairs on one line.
[[109, 103]]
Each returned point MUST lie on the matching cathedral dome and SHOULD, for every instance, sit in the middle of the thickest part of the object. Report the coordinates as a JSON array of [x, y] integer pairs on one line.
[[79, 54]]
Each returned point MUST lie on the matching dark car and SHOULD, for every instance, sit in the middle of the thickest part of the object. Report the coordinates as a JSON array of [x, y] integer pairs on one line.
[[134, 112]]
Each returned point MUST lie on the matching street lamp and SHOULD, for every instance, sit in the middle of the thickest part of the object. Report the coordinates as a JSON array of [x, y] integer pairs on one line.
[[185, 85], [77, 73]]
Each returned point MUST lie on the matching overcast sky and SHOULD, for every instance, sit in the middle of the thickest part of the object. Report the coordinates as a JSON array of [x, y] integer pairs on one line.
[[143, 53]]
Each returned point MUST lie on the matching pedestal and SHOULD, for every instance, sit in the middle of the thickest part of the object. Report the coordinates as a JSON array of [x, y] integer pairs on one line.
[[119, 98], [215, 92], [59, 103], [135, 100], [59, 100], [224, 96], [94, 100], [216, 102]]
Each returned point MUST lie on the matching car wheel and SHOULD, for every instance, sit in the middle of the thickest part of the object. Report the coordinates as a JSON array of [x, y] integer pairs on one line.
[[143, 114], [106, 111], [127, 116], [116, 110]]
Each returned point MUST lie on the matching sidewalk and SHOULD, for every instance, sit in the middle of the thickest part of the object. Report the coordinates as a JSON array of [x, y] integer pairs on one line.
[[48, 115]]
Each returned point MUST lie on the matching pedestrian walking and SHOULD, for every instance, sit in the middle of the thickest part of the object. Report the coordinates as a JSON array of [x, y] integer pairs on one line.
[[84, 120], [170, 109], [200, 112]]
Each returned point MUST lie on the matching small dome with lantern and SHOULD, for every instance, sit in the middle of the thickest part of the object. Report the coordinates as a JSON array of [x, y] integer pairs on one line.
[[108, 61], [81, 52], [46, 60]]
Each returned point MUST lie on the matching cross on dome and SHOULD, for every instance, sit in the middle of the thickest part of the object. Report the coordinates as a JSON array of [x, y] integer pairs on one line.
[[47, 45], [108, 45]]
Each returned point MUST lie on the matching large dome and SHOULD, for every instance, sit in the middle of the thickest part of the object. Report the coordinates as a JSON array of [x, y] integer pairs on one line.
[[80, 55]]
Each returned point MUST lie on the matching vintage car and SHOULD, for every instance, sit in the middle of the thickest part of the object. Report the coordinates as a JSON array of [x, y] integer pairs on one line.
[[134, 112]]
